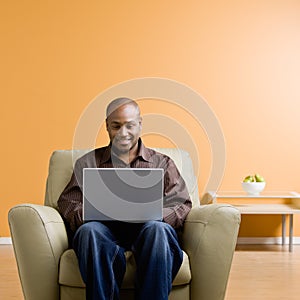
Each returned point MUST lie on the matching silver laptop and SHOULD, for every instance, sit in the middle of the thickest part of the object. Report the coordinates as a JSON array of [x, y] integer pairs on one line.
[[123, 194]]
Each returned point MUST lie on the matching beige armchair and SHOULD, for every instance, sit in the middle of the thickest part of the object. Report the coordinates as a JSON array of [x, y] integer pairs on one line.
[[48, 269]]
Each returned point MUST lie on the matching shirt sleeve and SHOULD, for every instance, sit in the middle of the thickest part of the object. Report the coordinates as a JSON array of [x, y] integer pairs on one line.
[[70, 200], [177, 202]]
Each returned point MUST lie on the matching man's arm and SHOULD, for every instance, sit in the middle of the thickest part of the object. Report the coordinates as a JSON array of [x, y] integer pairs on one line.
[[70, 201], [177, 202]]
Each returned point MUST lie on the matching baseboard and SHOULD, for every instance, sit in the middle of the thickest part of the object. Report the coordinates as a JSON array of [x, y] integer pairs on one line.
[[266, 240], [240, 241], [5, 241]]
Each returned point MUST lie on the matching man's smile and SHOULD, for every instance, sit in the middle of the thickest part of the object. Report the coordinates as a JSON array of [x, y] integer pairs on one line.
[[123, 141]]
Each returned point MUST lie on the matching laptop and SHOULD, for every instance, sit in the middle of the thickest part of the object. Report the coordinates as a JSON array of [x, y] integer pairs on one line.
[[122, 194]]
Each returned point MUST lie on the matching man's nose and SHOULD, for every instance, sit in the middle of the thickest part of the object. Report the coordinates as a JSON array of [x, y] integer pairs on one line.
[[122, 131]]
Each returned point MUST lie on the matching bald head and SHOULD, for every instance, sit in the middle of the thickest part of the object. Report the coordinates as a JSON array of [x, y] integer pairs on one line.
[[118, 103]]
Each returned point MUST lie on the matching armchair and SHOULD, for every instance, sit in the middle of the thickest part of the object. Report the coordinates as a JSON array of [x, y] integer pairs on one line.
[[48, 268]]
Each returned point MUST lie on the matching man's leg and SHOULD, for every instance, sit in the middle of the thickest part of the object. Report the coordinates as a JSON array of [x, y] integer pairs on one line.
[[158, 257], [102, 262]]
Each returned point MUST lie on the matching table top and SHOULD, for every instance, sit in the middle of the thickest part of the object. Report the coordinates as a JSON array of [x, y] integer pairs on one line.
[[261, 209], [262, 195]]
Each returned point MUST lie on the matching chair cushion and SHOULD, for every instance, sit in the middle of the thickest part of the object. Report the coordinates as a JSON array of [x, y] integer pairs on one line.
[[69, 274]]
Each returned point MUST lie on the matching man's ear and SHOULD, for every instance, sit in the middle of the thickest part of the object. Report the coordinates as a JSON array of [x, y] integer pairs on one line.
[[106, 123], [140, 122]]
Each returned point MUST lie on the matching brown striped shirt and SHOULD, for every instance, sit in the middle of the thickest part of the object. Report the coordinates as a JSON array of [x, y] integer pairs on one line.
[[177, 203]]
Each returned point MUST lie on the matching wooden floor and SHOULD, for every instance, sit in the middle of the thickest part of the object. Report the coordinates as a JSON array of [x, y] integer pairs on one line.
[[264, 272], [10, 287], [258, 272]]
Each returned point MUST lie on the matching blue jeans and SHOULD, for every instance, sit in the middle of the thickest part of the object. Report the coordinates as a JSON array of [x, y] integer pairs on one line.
[[100, 249]]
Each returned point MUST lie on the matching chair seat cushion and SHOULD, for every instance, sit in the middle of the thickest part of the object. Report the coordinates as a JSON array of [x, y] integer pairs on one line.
[[69, 274]]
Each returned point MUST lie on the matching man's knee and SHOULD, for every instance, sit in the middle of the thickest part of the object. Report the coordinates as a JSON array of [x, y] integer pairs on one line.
[[88, 228], [158, 225], [158, 228], [94, 230]]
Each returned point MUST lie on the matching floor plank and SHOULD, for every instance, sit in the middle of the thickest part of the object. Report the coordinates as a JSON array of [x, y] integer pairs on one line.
[[10, 287]]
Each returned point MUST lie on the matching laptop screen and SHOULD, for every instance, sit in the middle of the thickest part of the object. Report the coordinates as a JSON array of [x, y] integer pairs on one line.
[[123, 194]]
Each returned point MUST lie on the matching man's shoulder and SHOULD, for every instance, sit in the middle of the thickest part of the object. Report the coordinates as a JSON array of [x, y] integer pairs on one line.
[[156, 156], [92, 157]]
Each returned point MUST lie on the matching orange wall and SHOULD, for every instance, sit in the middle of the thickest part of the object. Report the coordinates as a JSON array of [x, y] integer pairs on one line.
[[241, 56]]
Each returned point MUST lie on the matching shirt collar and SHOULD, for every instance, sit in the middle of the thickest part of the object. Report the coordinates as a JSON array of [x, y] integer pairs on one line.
[[144, 152], [106, 155]]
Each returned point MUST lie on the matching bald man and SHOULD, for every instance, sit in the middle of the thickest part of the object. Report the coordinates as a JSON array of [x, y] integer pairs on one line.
[[100, 246]]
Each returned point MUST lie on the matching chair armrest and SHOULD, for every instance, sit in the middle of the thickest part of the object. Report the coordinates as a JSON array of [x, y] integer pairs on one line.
[[39, 238], [209, 238]]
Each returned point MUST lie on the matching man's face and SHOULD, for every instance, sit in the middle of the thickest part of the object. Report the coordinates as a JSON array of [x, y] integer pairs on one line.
[[124, 127]]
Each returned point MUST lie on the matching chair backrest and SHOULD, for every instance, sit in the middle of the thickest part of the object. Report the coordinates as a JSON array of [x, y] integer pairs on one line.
[[61, 168]]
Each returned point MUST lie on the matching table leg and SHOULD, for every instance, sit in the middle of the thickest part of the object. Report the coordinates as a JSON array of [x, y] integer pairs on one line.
[[291, 234], [283, 230]]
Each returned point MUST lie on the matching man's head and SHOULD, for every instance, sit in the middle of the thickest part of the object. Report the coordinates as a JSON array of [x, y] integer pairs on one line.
[[124, 124]]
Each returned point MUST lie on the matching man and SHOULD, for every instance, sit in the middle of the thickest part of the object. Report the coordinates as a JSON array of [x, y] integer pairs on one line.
[[100, 246]]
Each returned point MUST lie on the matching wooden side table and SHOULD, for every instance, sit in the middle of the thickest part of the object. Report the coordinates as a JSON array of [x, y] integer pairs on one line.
[[291, 207]]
